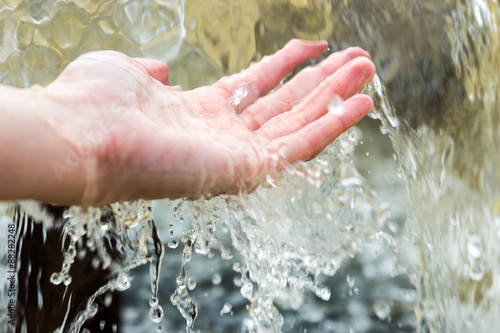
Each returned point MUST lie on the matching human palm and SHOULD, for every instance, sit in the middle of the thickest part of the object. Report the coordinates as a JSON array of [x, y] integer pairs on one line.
[[158, 141]]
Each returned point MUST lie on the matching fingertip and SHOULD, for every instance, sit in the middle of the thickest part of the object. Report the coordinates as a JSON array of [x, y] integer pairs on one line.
[[296, 41], [362, 68], [370, 105], [155, 68], [319, 43], [355, 51], [361, 103], [317, 47]]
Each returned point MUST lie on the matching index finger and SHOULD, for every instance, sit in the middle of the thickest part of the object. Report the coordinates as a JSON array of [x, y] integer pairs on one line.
[[268, 73]]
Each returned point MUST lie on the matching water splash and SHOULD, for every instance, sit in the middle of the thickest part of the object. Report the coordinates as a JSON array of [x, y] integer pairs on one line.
[[274, 230], [130, 226], [180, 298]]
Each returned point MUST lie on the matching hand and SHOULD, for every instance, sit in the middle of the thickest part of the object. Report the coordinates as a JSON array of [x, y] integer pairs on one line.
[[138, 137]]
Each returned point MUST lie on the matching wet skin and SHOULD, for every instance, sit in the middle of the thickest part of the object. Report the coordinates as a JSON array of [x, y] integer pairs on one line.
[[110, 128]]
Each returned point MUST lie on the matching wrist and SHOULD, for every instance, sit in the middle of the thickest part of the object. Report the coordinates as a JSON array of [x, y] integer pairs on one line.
[[34, 154], [72, 116]]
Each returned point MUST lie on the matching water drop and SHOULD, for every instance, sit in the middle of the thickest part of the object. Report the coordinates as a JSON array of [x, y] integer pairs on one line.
[[65, 267], [82, 254], [350, 280], [237, 97], [336, 105], [226, 309], [108, 298], [382, 310], [153, 301], [400, 173], [102, 324], [56, 278], [173, 244], [67, 280], [324, 293], [156, 314], [114, 328], [477, 271], [237, 281], [474, 246], [216, 279], [122, 282], [70, 253], [247, 290], [95, 262], [191, 283], [226, 255]]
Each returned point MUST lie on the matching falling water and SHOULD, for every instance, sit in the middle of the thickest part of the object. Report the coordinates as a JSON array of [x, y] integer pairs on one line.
[[451, 164], [446, 138], [319, 226]]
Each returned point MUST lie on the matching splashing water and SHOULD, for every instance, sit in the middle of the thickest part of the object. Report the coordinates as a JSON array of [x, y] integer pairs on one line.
[[133, 231], [436, 96], [272, 229]]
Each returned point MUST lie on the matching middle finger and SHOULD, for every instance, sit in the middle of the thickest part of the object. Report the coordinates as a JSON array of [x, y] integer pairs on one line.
[[291, 93]]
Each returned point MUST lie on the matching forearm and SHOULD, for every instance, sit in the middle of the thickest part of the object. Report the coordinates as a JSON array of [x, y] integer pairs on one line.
[[34, 159]]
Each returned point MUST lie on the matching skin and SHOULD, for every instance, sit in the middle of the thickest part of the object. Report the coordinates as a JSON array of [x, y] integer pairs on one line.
[[110, 128]]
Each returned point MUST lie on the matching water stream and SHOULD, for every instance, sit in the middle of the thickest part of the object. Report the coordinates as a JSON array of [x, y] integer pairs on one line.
[[393, 228]]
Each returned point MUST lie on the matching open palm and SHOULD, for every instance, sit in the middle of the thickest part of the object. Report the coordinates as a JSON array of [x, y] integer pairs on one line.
[[159, 141]]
